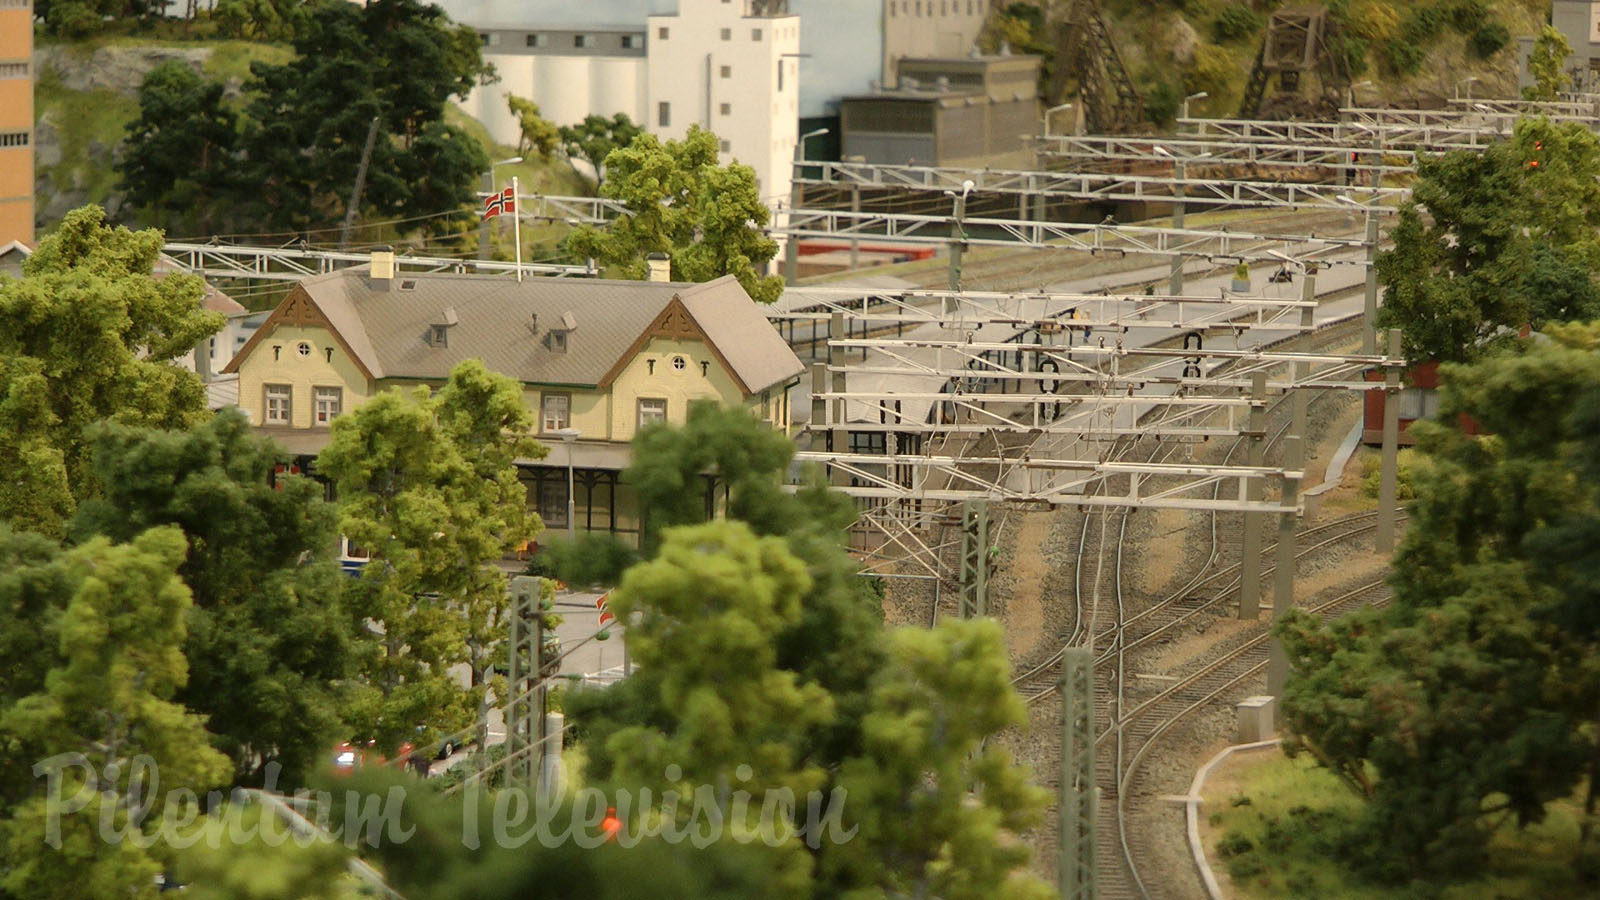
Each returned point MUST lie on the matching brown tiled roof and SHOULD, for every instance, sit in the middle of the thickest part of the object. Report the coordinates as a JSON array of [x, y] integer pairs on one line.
[[388, 330]]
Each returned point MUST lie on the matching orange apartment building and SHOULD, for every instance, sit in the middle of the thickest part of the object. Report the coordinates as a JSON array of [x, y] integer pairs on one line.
[[16, 121]]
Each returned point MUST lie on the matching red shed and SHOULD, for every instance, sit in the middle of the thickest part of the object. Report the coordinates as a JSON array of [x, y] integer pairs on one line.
[[1418, 398]]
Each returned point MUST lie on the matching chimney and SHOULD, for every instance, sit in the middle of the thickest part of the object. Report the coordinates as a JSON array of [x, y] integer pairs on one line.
[[660, 266], [382, 267]]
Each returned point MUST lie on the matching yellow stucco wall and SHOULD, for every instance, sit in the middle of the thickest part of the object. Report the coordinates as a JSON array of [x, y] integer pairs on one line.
[[301, 373], [677, 387], [587, 409]]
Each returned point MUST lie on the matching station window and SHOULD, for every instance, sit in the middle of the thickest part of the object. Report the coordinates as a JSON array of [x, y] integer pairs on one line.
[[329, 402], [556, 412], [652, 410], [276, 410], [553, 503]]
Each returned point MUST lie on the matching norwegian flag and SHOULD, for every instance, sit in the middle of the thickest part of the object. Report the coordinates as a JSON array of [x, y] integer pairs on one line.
[[500, 203], [606, 618]]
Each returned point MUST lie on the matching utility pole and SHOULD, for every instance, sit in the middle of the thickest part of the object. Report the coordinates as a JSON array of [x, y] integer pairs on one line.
[[1294, 458], [837, 436], [483, 221], [1283, 584], [1250, 553], [361, 184], [1369, 306], [974, 559], [1384, 537], [958, 235], [1175, 287], [791, 243], [1077, 863], [526, 685]]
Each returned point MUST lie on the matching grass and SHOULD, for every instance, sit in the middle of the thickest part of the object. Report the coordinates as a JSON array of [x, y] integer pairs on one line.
[[83, 118], [1278, 833]]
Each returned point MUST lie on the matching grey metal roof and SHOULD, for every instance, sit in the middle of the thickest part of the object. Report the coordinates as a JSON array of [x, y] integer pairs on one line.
[[389, 331]]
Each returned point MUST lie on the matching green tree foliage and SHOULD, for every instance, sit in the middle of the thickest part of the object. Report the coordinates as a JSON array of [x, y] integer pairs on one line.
[[538, 134], [427, 483], [797, 634], [87, 335], [81, 18], [265, 20], [662, 869], [595, 138], [1546, 65], [220, 867], [1235, 22], [942, 696], [1494, 241], [1472, 698], [680, 202], [179, 158], [268, 639], [109, 629], [307, 120]]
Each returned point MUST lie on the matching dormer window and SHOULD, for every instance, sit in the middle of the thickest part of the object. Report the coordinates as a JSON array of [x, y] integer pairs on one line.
[[564, 326], [439, 329]]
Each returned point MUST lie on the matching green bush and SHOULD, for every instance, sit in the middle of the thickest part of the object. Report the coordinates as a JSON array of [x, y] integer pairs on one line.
[[1466, 16], [1404, 57], [1241, 868], [1234, 843], [1488, 40], [1405, 465], [1235, 22], [1161, 103]]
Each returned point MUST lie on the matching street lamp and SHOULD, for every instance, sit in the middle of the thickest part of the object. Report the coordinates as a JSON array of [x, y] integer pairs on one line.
[[1050, 112], [1198, 96], [488, 188], [1350, 96], [791, 247], [568, 436]]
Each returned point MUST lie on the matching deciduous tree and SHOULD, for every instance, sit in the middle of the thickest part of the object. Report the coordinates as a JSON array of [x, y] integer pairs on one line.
[[268, 643], [538, 134], [1494, 241], [595, 138], [426, 482], [1550, 52], [707, 217], [104, 713], [1474, 696], [87, 335]]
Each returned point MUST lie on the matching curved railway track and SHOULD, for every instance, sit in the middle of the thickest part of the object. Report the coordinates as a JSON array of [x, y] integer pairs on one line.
[[1126, 736]]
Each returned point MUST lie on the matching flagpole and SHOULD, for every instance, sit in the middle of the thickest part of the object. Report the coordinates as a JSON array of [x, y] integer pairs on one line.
[[516, 225]]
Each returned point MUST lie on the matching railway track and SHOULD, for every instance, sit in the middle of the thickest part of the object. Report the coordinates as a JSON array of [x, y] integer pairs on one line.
[[1126, 734]]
